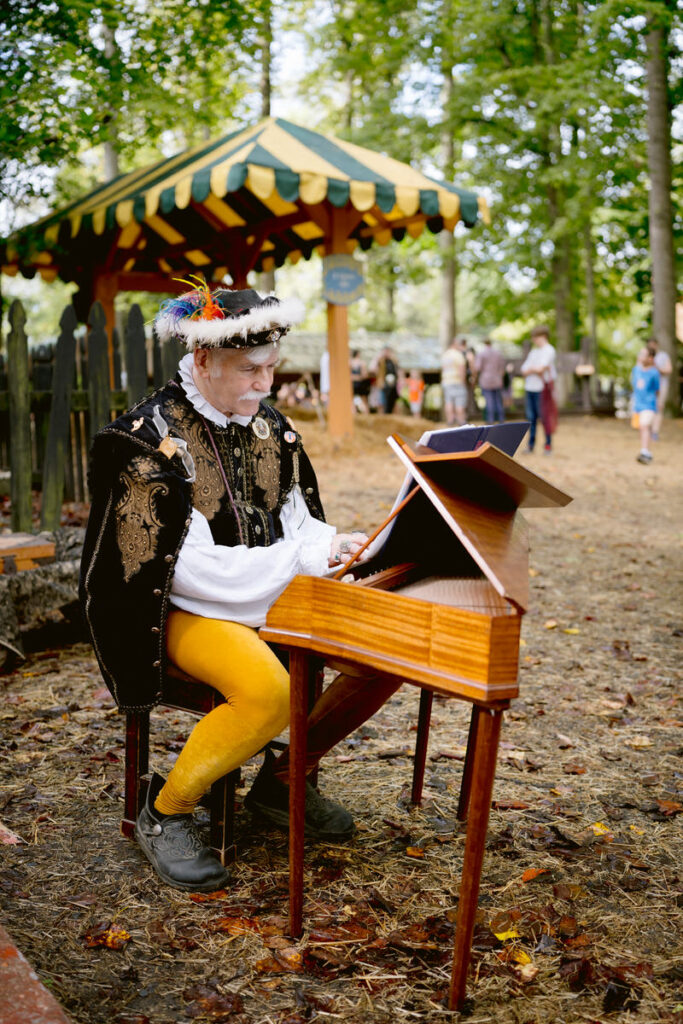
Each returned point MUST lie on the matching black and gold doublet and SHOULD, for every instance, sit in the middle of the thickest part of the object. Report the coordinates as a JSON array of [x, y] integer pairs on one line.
[[142, 499]]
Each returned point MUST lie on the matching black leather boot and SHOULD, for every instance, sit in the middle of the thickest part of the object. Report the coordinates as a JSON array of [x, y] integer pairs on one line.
[[324, 819], [172, 845]]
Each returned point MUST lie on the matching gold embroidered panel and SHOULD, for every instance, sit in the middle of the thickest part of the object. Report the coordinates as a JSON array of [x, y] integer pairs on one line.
[[137, 523], [208, 488]]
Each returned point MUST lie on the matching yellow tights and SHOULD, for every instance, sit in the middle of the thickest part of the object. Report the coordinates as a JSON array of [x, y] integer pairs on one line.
[[231, 658]]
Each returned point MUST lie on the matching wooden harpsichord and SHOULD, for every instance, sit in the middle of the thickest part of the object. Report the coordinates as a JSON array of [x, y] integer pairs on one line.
[[439, 605], [440, 601]]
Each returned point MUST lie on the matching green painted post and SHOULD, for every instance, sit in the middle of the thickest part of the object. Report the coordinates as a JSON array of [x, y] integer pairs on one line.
[[20, 420], [57, 447]]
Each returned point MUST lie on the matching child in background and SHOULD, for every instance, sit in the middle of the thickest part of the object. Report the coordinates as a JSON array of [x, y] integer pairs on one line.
[[645, 384], [415, 386]]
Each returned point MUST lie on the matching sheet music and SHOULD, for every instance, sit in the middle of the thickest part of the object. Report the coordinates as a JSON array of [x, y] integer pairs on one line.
[[506, 436]]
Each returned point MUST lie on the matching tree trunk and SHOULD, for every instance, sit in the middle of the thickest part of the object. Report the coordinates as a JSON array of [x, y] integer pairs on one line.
[[111, 156], [659, 201], [266, 277], [589, 342], [449, 267]]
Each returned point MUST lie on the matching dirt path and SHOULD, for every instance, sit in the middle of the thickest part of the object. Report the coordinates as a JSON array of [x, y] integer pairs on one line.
[[581, 903]]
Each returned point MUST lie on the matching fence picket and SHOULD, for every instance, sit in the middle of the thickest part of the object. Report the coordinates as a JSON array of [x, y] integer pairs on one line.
[[19, 419], [58, 448], [136, 355], [98, 370]]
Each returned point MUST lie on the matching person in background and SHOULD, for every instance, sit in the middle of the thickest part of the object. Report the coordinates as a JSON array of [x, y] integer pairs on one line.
[[386, 372], [538, 369], [360, 381], [490, 369], [325, 377], [663, 365], [645, 382], [415, 387], [454, 382]]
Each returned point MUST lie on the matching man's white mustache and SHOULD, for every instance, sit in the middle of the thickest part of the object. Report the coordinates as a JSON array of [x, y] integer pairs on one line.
[[253, 396]]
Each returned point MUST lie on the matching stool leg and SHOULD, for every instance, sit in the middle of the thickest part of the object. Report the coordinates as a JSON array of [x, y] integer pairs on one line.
[[222, 810], [423, 720], [299, 675], [136, 765], [466, 784], [484, 770]]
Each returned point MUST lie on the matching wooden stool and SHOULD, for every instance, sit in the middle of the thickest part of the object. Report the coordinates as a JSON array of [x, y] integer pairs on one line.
[[186, 693]]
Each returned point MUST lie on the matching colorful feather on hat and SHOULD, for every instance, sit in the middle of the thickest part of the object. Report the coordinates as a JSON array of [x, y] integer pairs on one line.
[[197, 304]]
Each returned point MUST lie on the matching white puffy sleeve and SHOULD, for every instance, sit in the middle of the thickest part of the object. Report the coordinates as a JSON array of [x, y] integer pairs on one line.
[[240, 583]]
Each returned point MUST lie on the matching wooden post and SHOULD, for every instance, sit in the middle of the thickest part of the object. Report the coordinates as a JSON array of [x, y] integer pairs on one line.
[[340, 407], [20, 420], [54, 471], [340, 404]]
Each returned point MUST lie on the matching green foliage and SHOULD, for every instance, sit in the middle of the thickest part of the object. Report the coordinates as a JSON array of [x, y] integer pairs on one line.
[[542, 104]]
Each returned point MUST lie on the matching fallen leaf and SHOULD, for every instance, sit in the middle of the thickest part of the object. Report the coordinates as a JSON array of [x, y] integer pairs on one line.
[[283, 961], [639, 742], [576, 941], [209, 897], [415, 851], [669, 807], [563, 891], [573, 768], [208, 1002], [564, 741], [550, 624], [531, 873], [526, 973], [9, 838], [599, 829], [568, 926], [234, 925], [509, 805], [572, 631], [511, 933], [106, 934]]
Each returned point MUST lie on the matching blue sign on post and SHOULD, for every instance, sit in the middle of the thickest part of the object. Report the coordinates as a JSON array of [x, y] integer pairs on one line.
[[342, 280]]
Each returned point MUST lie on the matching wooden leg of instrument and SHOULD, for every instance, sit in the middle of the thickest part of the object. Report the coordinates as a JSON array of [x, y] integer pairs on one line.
[[466, 784], [299, 681], [315, 689], [484, 770], [423, 720]]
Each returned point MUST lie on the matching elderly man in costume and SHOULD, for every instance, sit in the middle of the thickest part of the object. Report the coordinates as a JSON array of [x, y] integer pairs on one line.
[[204, 507]]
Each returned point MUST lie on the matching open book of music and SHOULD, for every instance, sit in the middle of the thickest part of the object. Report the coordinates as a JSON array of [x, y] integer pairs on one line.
[[507, 437]]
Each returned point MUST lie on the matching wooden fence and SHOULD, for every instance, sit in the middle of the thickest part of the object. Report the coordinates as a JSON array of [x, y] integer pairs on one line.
[[54, 399]]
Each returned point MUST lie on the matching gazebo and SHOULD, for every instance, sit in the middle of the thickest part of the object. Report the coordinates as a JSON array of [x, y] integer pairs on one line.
[[247, 201]]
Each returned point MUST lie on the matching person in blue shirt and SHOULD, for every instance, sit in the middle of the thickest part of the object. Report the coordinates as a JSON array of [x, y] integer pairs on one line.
[[645, 383]]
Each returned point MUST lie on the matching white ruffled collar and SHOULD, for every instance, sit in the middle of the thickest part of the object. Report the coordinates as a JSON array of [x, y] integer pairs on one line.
[[201, 404]]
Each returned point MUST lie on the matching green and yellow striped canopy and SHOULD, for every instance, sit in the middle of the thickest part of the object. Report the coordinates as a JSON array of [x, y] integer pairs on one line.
[[249, 200]]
